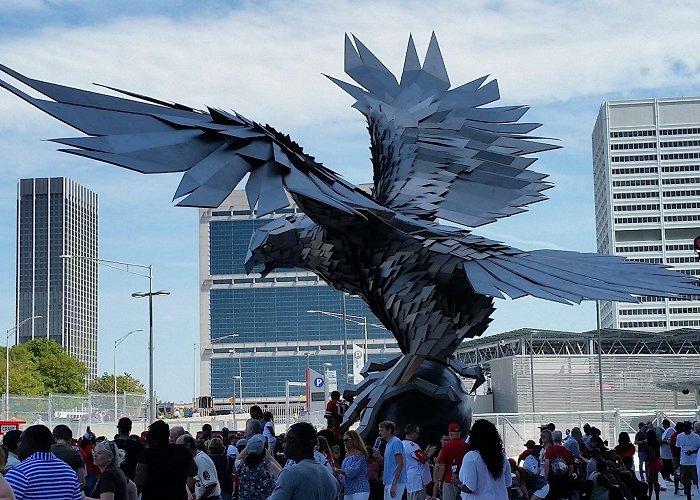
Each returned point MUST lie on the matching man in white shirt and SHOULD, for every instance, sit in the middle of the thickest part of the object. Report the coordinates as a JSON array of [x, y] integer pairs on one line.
[[665, 450], [206, 483], [689, 443], [417, 468]]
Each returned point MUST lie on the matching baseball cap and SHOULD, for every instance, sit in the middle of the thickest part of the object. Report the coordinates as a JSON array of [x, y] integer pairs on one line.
[[241, 442], [529, 443], [256, 444], [453, 428]]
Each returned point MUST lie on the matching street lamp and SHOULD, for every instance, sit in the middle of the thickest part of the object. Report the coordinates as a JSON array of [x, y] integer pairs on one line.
[[116, 343], [240, 391], [151, 390], [10, 331]]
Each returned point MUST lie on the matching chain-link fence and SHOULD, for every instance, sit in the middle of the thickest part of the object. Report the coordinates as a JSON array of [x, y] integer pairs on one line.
[[77, 410], [517, 428]]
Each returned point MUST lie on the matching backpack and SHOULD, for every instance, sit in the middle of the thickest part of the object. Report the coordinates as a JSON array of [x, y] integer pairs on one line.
[[558, 466]]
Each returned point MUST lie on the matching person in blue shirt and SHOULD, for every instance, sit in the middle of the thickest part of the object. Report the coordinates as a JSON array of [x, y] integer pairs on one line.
[[394, 462]]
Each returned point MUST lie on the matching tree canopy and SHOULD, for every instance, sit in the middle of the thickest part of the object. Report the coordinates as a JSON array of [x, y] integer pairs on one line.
[[125, 383], [40, 367]]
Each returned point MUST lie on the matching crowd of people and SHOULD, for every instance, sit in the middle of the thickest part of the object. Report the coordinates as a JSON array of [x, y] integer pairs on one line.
[[169, 463]]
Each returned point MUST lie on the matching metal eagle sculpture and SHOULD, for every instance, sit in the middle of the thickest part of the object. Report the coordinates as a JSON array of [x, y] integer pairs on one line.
[[437, 154]]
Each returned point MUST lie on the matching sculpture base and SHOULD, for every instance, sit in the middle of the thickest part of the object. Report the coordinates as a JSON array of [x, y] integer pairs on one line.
[[431, 414]]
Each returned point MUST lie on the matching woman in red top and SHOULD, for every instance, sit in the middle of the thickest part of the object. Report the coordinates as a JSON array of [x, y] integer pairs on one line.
[[625, 450]]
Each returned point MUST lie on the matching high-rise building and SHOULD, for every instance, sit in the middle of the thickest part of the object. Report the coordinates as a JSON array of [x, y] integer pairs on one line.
[[58, 217], [261, 329], [646, 171]]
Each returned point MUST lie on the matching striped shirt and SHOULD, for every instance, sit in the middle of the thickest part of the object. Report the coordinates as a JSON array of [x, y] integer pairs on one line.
[[43, 476]]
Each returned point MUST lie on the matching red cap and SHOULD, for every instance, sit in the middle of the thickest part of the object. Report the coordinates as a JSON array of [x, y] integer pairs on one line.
[[529, 443], [453, 428]]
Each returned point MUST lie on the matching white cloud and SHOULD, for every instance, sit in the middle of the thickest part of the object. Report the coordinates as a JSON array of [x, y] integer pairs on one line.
[[265, 60]]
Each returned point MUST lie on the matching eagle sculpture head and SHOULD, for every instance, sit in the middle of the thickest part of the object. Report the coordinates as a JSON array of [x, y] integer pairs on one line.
[[277, 244]]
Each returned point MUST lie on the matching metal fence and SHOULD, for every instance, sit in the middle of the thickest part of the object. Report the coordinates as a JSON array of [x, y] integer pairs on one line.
[[77, 410], [517, 428]]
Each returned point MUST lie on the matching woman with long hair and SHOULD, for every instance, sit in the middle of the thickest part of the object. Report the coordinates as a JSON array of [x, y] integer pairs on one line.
[[324, 449], [112, 483], [257, 470], [653, 464], [269, 430], [485, 472], [625, 450], [353, 472]]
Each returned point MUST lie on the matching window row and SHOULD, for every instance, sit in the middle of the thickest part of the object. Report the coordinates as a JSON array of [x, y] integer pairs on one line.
[[641, 312], [687, 322], [630, 158], [639, 182], [635, 170], [679, 131], [642, 324], [634, 133], [681, 206], [639, 248], [681, 260], [680, 144], [680, 168], [681, 180], [634, 208], [651, 260], [636, 220], [633, 145], [685, 310], [638, 194], [679, 248], [681, 218], [677, 194], [679, 156]]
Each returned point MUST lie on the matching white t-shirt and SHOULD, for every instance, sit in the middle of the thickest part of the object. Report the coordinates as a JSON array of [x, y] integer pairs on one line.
[[416, 472], [206, 475], [267, 433], [232, 451], [477, 478], [665, 448], [688, 442]]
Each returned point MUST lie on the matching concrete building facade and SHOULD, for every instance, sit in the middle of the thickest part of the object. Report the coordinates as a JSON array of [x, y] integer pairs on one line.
[[646, 170], [55, 217]]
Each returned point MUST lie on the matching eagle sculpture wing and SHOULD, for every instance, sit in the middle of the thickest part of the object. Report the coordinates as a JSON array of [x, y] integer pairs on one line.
[[215, 149], [437, 153]]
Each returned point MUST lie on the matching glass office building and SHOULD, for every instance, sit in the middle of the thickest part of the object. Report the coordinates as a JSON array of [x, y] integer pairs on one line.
[[57, 216], [259, 329]]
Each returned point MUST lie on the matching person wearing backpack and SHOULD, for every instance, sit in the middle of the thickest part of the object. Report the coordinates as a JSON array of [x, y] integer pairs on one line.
[[558, 466]]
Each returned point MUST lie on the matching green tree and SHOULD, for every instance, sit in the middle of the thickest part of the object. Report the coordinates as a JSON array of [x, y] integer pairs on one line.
[[58, 371], [125, 383], [23, 379]]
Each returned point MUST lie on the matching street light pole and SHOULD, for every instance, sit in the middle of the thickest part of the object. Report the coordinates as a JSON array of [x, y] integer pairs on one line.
[[10, 331], [116, 343], [345, 340], [151, 388], [600, 355]]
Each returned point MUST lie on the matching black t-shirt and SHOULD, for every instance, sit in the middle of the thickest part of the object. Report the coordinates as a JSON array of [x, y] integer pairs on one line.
[[112, 480], [167, 472], [221, 462], [133, 452]]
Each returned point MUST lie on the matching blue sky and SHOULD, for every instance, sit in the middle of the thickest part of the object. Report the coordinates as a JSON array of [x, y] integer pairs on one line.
[[265, 59]]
